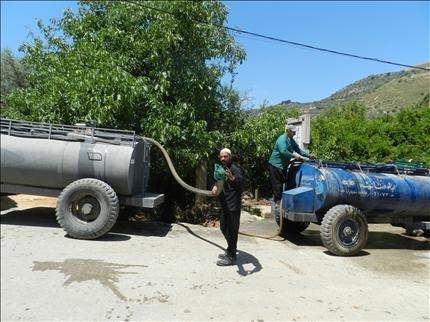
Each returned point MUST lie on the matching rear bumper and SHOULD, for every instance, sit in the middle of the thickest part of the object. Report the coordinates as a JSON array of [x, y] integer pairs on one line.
[[143, 200], [304, 217]]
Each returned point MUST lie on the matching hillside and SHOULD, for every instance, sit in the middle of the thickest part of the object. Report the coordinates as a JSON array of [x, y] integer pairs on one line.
[[381, 94]]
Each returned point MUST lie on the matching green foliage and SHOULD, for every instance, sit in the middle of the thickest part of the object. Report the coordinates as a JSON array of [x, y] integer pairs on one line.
[[13, 74], [344, 133], [125, 66], [340, 133], [129, 67]]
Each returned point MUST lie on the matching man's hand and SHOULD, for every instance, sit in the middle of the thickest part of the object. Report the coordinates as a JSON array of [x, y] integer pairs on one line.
[[215, 191], [230, 175], [297, 156], [312, 157]]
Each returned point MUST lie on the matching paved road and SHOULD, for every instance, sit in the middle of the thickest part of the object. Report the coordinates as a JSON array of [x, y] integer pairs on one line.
[[154, 271]]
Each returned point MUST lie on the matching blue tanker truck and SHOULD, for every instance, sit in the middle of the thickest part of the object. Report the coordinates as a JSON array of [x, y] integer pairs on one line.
[[344, 197]]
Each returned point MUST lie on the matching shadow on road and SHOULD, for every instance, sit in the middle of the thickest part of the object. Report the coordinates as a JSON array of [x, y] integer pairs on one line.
[[109, 237], [361, 253], [37, 217], [376, 240], [200, 237], [45, 217], [243, 258], [7, 203], [147, 228]]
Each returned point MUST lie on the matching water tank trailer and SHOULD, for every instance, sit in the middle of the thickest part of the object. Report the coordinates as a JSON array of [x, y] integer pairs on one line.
[[345, 197], [92, 171]]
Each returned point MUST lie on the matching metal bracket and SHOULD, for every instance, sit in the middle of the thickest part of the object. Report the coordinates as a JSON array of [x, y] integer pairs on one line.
[[143, 200]]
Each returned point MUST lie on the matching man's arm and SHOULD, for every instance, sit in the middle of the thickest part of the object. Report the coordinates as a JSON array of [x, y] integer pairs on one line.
[[297, 149], [283, 148]]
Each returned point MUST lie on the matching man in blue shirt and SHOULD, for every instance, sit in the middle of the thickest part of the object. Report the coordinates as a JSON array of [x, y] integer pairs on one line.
[[285, 149]]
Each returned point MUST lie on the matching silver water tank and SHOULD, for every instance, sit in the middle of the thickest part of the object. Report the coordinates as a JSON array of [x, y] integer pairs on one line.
[[34, 155]]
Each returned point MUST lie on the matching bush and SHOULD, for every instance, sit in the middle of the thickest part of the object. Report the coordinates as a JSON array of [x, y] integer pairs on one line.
[[345, 134]]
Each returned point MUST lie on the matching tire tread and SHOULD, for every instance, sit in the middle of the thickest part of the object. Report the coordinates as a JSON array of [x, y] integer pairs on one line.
[[112, 215], [327, 225]]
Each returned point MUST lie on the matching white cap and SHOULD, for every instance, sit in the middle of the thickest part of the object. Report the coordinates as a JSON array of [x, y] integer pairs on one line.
[[225, 150], [291, 127]]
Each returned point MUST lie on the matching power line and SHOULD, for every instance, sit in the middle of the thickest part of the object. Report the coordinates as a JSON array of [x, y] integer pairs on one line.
[[325, 50], [240, 31]]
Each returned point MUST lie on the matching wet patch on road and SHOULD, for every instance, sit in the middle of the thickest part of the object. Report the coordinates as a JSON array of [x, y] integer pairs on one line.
[[393, 253], [396, 262], [82, 270]]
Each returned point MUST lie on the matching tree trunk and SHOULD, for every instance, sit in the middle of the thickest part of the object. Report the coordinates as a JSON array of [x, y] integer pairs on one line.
[[201, 181]]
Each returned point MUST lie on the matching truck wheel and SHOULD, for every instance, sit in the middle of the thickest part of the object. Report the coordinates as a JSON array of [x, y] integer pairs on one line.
[[87, 208], [289, 227], [344, 230]]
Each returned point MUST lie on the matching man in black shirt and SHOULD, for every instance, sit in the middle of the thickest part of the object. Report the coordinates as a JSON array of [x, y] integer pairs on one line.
[[230, 199]]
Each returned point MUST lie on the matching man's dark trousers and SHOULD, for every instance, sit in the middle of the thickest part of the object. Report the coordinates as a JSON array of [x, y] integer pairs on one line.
[[277, 179], [229, 222], [230, 200]]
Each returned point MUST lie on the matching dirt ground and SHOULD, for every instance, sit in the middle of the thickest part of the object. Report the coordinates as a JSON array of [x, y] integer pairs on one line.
[[155, 271], [26, 201]]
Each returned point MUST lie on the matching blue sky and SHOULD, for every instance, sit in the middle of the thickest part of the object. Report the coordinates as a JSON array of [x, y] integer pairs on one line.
[[397, 31]]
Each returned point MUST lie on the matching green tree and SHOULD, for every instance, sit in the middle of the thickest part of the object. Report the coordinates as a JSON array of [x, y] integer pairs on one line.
[[344, 133], [13, 74], [340, 133], [409, 133], [130, 67]]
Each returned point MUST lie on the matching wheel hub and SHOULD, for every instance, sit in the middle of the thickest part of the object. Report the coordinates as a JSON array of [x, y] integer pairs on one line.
[[86, 208], [348, 232]]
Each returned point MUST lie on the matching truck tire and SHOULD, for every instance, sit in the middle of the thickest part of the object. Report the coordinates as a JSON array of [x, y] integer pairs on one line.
[[289, 227], [87, 208], [344, 230]]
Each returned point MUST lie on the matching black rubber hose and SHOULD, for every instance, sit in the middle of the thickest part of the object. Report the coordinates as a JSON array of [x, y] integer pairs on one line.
[[207, 193], [185, 185]]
